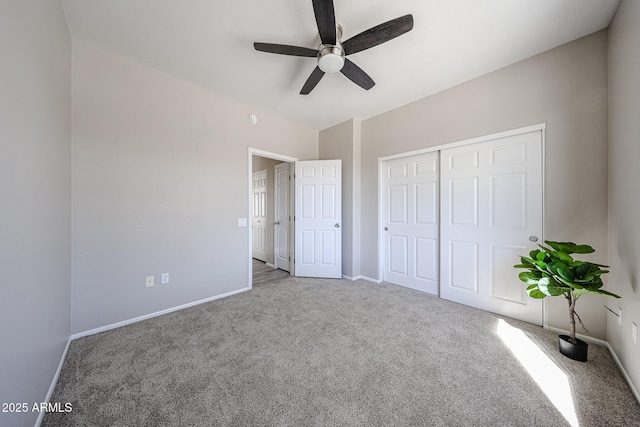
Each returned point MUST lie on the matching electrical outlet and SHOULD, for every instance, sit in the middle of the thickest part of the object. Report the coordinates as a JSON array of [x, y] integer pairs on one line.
[[164, 279], [149, 282], [634, 333], [619, 316]]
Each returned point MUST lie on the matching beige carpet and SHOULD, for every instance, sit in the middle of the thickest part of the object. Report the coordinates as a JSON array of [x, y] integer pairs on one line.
[[331, 353]]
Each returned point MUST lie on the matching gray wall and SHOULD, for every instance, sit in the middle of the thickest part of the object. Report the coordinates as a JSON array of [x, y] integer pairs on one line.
[[624, 176], [567, 89], [35, 200], [160, 177], [260, 164], [342, 141]]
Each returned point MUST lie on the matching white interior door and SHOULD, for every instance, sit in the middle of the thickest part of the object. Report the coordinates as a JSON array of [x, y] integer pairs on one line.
[[410, 221], [259, 222], [282, 216], [491, 208], [318, 218]]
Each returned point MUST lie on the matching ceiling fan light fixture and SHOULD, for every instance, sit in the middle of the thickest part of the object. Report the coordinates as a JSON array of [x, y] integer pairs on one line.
[[331, 59]]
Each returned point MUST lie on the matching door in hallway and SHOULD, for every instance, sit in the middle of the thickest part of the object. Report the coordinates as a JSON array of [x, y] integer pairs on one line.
[[259, 221]]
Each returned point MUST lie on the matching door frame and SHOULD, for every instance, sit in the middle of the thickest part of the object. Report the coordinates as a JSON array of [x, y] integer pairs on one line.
[[518, 131], [261, 153]]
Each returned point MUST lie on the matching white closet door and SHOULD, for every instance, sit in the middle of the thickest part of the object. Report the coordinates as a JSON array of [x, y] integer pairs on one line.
[[318, 218], [410, 220], [491, 213], [259, 221]]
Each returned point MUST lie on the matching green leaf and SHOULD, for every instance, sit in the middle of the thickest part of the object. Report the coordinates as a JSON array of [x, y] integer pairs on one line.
[[529, 276], [565, 258], [535, 293], [565, 272], [579, 292], [583, 249], [549, 287], [541, 256], [609, 294], [569, 283]]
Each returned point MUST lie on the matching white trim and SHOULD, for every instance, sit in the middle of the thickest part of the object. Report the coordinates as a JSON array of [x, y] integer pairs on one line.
[[353, 279], [52, 387], [155, 314], [586, 338], [545, 302], [268, 264], [250, 153], [626, 376], [511, 132], [369, 279], [381, 195]]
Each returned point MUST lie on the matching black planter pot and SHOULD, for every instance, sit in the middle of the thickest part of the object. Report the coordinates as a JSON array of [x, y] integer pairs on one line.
[[573, 351]]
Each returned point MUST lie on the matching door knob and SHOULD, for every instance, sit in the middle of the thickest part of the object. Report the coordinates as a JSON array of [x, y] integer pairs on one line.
[[337, 225], [533, 239], [277, 223], [386, 229]]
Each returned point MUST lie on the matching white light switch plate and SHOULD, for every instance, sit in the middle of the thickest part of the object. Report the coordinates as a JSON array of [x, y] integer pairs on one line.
[[164, 279], [149, 281], [242, 222]]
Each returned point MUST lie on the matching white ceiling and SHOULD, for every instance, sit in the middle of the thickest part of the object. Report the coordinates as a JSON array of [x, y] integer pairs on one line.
[[210, 43]]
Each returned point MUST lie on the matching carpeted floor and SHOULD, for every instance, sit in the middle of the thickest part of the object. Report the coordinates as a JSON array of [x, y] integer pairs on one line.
[[333, 353]]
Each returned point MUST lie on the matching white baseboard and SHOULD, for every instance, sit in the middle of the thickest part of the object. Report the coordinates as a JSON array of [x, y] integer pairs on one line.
[[606, 344], [270, 265], [626, 376], [156, 314], [585, 338], [368, 279], [52, 387]]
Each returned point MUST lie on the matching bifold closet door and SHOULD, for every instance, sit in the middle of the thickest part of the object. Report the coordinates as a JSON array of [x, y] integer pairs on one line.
[[491, 213]]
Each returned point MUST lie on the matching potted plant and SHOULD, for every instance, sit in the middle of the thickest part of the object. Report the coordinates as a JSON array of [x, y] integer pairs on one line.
[[552, 271]]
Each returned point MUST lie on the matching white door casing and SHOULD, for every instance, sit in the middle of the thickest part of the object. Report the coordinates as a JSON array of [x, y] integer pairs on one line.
[[318, 218], [491, 213], [259, 220], [410, 220], [282, 216]]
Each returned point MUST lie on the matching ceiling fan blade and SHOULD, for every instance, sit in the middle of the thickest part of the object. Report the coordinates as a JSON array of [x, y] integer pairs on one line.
[[285, 49], [378, 34], [326, 20], [356, 75], [312, 81]]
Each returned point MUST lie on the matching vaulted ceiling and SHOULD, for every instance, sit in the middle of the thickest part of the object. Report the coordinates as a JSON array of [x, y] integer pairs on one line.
[[210, 43]]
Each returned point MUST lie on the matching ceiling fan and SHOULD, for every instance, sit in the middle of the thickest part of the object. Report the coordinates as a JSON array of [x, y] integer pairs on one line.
[[331, 53]]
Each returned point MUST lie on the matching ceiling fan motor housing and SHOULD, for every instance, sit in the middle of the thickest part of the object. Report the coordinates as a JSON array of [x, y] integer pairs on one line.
[[330, 58]]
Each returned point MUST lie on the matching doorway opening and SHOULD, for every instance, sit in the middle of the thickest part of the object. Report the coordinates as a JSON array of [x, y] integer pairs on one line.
[[270, 206]]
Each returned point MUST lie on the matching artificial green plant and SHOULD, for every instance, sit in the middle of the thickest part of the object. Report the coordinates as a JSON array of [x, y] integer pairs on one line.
[[552, 271]]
